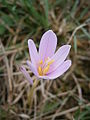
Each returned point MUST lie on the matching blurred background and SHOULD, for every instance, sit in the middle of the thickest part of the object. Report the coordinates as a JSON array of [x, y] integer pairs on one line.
[[65, 98]]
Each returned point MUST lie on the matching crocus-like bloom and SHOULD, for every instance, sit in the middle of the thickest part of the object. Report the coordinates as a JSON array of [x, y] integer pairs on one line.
[[46, 63]]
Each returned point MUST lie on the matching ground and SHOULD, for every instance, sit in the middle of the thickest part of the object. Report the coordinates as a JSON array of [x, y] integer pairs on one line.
[[65, 98]]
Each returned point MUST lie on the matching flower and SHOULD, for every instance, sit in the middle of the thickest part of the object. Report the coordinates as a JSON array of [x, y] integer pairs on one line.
[[46, 63]]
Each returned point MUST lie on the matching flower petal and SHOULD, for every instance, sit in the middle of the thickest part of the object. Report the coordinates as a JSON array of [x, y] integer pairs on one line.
[[48, 45], [44, 77], [60, 70], [33, 52], [34, 70], [59, 57], [32, 67], [23, 70]]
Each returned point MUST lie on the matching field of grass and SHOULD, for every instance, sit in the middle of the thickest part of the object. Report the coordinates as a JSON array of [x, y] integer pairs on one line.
[[68, 96]]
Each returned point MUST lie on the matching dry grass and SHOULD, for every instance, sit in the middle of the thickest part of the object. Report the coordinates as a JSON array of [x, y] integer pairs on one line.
[[65, 98]]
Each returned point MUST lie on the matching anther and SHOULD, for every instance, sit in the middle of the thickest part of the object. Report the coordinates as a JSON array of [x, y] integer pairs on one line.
[[41, 62], [40, 70], [50, 62], [46, 69]]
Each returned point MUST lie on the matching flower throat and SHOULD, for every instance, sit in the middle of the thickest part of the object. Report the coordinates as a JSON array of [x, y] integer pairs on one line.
[[44, 67]]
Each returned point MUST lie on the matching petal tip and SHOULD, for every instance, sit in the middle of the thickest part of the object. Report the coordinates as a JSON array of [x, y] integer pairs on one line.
[[29, 41], [28, 62], [25, 73], [51, 31], [68, 46], [69, 62]]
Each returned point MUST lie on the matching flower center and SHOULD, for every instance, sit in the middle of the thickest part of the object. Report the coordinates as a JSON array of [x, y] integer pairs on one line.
[[43, 68]]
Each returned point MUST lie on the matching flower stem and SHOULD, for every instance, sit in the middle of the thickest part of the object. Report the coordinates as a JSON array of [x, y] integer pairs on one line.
[[30, 96]]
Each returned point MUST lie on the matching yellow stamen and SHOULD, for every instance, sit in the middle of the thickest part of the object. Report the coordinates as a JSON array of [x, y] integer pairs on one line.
[[50, 62], [41, 62], [40, 70], [46, 69]]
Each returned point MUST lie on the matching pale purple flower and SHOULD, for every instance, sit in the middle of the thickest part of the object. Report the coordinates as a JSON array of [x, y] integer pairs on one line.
[[46, 63]]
